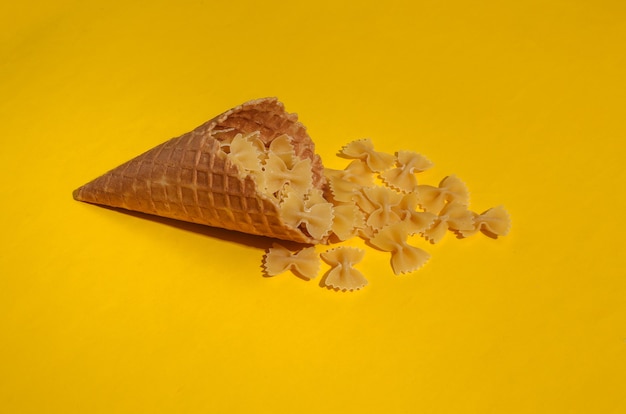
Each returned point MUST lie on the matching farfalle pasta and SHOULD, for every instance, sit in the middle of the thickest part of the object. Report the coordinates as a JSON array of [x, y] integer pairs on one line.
[[278, 174], [348, 220], [404, 257], [344, 184], [378, 205], [453, 216], [414, 220], [377, 198], [403, 176], [493, 222], [284, 178], [244, 153], [282, 147], [342, 274], [364, 150], [304, 263], [316, 218], [450, 189]]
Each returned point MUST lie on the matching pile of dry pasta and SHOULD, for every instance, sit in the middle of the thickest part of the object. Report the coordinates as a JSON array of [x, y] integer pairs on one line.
[[377, 198]]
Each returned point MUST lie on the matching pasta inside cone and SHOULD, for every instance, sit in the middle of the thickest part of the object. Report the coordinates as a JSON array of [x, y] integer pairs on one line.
[[233, 171]]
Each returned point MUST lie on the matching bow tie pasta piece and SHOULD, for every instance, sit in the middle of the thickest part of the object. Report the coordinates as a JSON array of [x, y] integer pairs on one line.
[[278, 174], [348, 220], [317, 219], [451, 189], [493, 222], [283, 148], [244, 153], [253, 137], [363, 149], [416, 221], [341, 190], [357, 172], [344, 183], [404, 257], [304, 263], [403, 176], [378, 204], [453, 216], [343, 275]]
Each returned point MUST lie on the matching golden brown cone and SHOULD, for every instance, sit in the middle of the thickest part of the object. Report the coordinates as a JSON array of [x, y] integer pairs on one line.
[[189, 178]]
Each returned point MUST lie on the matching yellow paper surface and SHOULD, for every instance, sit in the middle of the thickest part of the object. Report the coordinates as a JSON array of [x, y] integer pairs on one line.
[[104, 312]]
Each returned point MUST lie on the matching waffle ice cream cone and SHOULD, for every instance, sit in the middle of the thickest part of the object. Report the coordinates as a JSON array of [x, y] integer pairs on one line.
[[190, 178]]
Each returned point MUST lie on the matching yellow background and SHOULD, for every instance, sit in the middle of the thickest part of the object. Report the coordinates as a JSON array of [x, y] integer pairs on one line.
[[105, 312]]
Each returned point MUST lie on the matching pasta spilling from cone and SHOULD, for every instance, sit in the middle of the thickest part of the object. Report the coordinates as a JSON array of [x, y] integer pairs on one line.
[[254, 169], [234, 172], [377, 198]]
